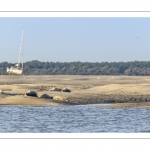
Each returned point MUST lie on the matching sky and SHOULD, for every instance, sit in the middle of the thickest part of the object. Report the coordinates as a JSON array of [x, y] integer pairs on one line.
[[97, 39]]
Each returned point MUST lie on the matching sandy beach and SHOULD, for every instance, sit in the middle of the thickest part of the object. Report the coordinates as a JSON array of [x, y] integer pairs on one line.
[[118, 91]]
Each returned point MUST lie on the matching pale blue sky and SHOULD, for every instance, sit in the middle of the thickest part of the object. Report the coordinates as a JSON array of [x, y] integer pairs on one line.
[[76, 39]]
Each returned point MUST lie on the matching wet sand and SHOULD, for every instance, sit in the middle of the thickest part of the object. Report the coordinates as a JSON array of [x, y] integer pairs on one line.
[[118, 91]]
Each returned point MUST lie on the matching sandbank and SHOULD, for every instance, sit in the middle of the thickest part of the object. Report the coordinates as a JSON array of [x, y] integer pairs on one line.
[[118, 91]]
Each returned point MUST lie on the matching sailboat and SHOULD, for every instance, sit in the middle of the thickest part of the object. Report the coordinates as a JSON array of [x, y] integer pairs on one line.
[[18, 68]]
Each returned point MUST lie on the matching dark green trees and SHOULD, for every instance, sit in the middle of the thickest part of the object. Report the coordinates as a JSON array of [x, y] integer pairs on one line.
[[36, 67]]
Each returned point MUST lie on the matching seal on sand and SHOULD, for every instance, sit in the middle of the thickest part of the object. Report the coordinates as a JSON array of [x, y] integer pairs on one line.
[[31, 93]]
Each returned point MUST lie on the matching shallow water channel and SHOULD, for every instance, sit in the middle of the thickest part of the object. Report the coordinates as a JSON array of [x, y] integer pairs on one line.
[[73, 119]]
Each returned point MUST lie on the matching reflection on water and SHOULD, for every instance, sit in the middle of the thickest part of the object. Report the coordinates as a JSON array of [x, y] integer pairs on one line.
[[79, 118]]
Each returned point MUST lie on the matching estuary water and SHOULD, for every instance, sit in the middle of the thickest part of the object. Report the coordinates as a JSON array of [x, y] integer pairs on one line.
[[73, 119]]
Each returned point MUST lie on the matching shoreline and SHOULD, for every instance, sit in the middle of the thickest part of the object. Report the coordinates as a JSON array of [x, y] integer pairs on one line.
[[122, 101], [128, 105]]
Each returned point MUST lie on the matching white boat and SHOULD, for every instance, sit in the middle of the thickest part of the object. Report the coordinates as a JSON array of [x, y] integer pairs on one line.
[[18, 68]]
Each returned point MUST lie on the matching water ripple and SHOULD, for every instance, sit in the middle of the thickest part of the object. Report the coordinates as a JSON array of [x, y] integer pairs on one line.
[[66, 119]]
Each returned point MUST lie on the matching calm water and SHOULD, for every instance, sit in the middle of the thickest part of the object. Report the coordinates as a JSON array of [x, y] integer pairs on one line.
[[83, 118]]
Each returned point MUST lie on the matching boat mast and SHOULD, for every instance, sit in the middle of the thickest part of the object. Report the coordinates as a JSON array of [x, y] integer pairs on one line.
[[20, 51]]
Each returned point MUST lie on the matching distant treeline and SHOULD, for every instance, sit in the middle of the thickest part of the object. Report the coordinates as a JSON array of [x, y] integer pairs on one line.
[[35, 67]]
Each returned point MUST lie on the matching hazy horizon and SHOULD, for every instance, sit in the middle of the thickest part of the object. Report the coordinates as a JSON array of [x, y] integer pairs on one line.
[[79, 61]]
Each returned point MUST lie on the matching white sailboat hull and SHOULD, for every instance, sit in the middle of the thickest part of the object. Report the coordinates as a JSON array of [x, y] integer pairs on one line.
[[14, 71]]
